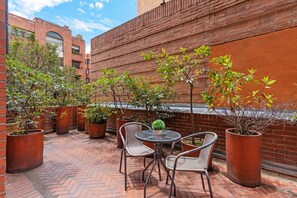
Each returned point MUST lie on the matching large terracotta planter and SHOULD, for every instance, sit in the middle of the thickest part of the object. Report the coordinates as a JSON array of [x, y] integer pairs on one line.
[[63, 120], [97, 130], [24, 152], [81, 119], [243, 154], [119, 123], [187, 147]]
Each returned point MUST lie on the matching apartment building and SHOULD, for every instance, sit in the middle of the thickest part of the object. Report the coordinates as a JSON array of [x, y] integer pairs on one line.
[[71, 49], [144, 6]]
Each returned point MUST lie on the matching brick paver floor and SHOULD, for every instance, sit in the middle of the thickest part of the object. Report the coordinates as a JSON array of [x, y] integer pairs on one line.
[[76, 166]]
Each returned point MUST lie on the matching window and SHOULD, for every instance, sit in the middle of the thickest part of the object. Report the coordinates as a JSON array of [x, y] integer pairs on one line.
[[57, 40], [75, 49], [87, 80], [76, 64], [87, 71], [18, 32], [87, 61]]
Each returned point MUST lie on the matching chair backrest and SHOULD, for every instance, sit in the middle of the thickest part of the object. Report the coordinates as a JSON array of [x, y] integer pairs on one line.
[[130, 129], [205, 153]]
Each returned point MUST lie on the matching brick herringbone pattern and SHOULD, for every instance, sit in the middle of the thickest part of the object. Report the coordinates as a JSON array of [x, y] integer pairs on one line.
[[75, 166]]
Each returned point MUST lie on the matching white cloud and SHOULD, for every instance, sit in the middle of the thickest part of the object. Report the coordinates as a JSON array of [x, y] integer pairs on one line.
[[82, 3], [81, 10], [99, 5], [88, 48], [82, 26], [28, 8], [105, 1], [91, 5]]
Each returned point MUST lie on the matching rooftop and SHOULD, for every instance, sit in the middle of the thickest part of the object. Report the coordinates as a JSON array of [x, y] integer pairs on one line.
[[76, 166]]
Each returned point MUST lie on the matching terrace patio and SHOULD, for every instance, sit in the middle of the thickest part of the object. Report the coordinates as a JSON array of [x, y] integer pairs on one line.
[[76, 166]]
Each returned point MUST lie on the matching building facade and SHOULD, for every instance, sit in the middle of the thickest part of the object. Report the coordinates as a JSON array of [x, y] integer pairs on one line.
[[144, 6], [71, 50]]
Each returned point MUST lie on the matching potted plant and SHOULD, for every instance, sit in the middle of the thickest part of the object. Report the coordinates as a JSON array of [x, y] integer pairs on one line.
[[64, 80], [97, 115], [83, 93], [249, 108], [187, 68], [158, 126], [26, 94], [113, 85]]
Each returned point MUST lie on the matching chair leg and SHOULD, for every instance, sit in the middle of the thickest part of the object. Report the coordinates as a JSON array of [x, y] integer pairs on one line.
[[208, 181], [167, 176], [202, 181], [125, 161], [172, 183], [120, 170]]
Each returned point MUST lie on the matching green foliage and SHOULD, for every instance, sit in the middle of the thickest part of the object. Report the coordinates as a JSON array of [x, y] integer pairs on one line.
[[227, 87], [158, 125], [29, 52], [63, 88], [98, 114], [148, 96], [247, 111], [25, 91], [182, 67], [83, 92]]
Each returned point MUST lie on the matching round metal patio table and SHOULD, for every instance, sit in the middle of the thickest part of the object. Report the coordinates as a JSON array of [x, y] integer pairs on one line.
[[166, 137]]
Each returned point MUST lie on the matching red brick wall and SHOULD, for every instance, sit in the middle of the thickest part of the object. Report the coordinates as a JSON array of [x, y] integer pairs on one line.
[[279, 143], [239, 25], [2, 97], [41, 27]]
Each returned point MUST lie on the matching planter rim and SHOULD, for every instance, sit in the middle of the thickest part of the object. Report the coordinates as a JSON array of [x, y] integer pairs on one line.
[[183, 142], [254, 135], [31, 132]]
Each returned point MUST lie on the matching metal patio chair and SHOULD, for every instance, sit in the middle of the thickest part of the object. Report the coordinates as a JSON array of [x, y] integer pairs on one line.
[[131, 146], [198, 164]]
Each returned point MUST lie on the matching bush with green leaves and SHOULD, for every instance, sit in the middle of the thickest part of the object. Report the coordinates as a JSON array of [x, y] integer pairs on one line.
[[97, 113], [113, 85], [246, 111], [26, 92], [148, 96], [158, 125]]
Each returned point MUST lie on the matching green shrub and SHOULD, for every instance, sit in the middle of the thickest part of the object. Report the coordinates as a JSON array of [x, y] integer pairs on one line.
[[98, 114], [158, 125]]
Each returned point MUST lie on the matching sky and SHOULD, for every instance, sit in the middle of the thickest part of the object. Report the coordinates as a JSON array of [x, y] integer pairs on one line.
[[88, 18]]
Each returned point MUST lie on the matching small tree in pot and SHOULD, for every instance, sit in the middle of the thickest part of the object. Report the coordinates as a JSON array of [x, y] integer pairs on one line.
[[64, 80], [250, 113], [97, 116], [113, 85], [184, 67], [26, 94]]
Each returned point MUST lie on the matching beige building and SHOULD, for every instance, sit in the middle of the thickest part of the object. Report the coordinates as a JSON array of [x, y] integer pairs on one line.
[[147, 5]]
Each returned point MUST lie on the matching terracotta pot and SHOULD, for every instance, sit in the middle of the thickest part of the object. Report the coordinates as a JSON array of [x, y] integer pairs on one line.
[[24, 152], [187, 147], [63, 120], [119, 123], [149, 144], [243, 154], [97, 130], [87, 127], [81, 119]]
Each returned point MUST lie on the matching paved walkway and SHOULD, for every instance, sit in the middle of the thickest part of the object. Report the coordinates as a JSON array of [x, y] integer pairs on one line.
[[76, 166]]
